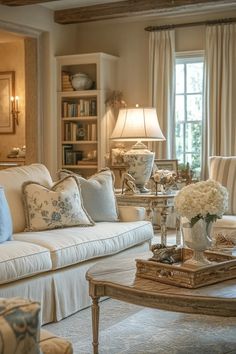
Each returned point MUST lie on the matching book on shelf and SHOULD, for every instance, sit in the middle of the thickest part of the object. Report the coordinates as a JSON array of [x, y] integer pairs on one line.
[[66, 82], [70, 156], [93, 132], [66, 154], [77, 131], [79, 108], [93, 107]]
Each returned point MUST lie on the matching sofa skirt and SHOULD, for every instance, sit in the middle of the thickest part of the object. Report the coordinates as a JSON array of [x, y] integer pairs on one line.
[[60, 292]]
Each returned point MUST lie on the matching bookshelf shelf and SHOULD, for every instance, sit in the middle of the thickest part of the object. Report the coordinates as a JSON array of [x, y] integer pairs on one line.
[[82, 127], [82, 167], [71, 119], [82, 142]]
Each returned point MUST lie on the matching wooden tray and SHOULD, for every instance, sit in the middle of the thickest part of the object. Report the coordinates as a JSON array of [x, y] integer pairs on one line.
[[223, 267]]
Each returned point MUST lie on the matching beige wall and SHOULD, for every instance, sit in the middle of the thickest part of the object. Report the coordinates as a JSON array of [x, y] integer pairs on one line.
[[12, 59], [125, 38], [129, 41]]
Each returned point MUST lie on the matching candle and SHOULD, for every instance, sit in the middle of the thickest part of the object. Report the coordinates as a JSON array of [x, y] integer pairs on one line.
[[16, 102], [12, 104]]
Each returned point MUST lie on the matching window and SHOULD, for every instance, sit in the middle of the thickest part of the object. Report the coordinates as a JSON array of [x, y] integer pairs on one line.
[[189, 111]]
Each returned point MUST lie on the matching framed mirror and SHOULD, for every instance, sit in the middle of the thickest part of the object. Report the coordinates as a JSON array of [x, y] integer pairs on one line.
[[7, 90]]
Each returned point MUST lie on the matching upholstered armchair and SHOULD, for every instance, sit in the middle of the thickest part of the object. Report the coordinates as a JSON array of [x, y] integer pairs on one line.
[[223, 170], [20, 331]]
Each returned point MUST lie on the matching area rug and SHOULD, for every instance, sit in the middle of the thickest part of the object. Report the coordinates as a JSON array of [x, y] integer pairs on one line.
[[130, 329]]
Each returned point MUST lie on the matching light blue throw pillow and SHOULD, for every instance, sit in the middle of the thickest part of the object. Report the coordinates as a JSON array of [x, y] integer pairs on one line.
[[98, 194], [5, 218]]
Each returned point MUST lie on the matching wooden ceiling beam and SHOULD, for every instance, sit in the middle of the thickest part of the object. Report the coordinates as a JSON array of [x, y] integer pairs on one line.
[[126, 8], [23, 2]]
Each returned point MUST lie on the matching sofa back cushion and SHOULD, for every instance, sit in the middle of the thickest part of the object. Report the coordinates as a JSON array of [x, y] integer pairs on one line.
[[223, 170], [12, 179]]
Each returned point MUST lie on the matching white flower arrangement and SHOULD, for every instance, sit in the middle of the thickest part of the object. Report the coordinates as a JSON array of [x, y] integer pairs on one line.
[[207, 200], [164, 177]]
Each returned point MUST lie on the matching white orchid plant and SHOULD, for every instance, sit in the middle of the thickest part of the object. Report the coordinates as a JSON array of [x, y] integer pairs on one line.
[[207, 200]]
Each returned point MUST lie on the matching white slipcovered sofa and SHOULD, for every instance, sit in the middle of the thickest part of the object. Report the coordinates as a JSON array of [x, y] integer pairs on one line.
[[49, 266]]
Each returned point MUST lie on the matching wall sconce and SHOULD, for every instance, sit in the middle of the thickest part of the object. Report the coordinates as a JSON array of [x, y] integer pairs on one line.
[[14, 108]]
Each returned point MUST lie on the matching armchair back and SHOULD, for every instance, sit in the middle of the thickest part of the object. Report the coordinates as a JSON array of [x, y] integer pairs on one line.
[[223, 169]]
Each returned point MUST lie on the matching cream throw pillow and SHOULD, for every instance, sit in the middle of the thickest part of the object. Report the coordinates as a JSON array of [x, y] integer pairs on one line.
[[98, 194], [60, 206]]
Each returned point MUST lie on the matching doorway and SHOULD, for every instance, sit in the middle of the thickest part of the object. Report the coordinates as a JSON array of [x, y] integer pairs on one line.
[[28, 130]]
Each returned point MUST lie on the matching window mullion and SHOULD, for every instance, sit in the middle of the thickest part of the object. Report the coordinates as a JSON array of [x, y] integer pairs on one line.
[[185, 110]]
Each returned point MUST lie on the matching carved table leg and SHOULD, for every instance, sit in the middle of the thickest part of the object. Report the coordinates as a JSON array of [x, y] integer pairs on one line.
[[149, 212], [164, 214], [178, 232], [95, 323]]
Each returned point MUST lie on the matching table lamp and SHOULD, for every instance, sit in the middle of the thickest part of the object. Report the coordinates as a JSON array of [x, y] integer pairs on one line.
[[138, 124]]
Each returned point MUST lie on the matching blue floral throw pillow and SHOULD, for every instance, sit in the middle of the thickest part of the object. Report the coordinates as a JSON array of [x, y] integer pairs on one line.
[[5, 218], [20, 326], [58, 207]]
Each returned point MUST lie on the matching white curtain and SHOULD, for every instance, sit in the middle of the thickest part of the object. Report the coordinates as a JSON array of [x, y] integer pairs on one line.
[[220, 123], [161, 88]]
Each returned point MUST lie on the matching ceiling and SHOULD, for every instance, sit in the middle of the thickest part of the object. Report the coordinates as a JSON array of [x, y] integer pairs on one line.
[[79, 11], [68, 4]]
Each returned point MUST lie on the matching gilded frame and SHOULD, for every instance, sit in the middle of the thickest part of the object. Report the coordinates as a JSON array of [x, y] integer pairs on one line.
[[7, 90], [171, 165]]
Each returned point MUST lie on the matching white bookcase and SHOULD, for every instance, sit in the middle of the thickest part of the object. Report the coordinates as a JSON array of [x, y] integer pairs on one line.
[[82, 114]]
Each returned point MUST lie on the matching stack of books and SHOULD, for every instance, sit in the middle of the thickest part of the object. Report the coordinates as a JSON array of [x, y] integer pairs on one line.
[[66, 83]]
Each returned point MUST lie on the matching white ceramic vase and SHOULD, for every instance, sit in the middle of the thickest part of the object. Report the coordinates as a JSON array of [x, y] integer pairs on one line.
[[198, 238], [140, 162], [81, 81]]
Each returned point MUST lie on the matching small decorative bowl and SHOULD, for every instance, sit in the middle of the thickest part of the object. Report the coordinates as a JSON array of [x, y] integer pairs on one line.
[[81, 81]]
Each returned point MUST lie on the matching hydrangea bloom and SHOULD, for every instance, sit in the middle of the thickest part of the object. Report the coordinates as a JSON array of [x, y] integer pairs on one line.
[[206, 200]]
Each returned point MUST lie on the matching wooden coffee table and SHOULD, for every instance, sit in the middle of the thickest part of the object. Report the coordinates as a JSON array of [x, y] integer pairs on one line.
[[116, 279]]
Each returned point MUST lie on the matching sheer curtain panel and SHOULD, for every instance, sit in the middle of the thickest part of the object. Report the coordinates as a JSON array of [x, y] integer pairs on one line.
[[161, 88], [220, 123]]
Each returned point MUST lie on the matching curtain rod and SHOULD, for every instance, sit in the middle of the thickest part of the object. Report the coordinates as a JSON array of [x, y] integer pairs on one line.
[[190, 24]]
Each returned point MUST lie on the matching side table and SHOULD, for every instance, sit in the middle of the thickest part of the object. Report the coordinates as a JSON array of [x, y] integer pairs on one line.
[[162, 202]]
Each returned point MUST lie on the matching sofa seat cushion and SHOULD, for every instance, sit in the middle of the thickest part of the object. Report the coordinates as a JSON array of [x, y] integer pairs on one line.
[[73, 245], [21, 259]]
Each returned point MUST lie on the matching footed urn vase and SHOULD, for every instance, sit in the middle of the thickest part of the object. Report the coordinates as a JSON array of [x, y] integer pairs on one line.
[[198, 238]]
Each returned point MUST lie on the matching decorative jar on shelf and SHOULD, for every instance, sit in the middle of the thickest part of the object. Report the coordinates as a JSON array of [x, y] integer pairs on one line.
[[81, 81]]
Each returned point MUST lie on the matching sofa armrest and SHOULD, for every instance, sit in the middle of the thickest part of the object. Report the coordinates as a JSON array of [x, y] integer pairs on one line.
[[19, 326], [132, 213]]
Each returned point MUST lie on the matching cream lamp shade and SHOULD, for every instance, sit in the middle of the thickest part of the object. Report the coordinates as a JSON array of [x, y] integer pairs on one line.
[[138, 124]]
